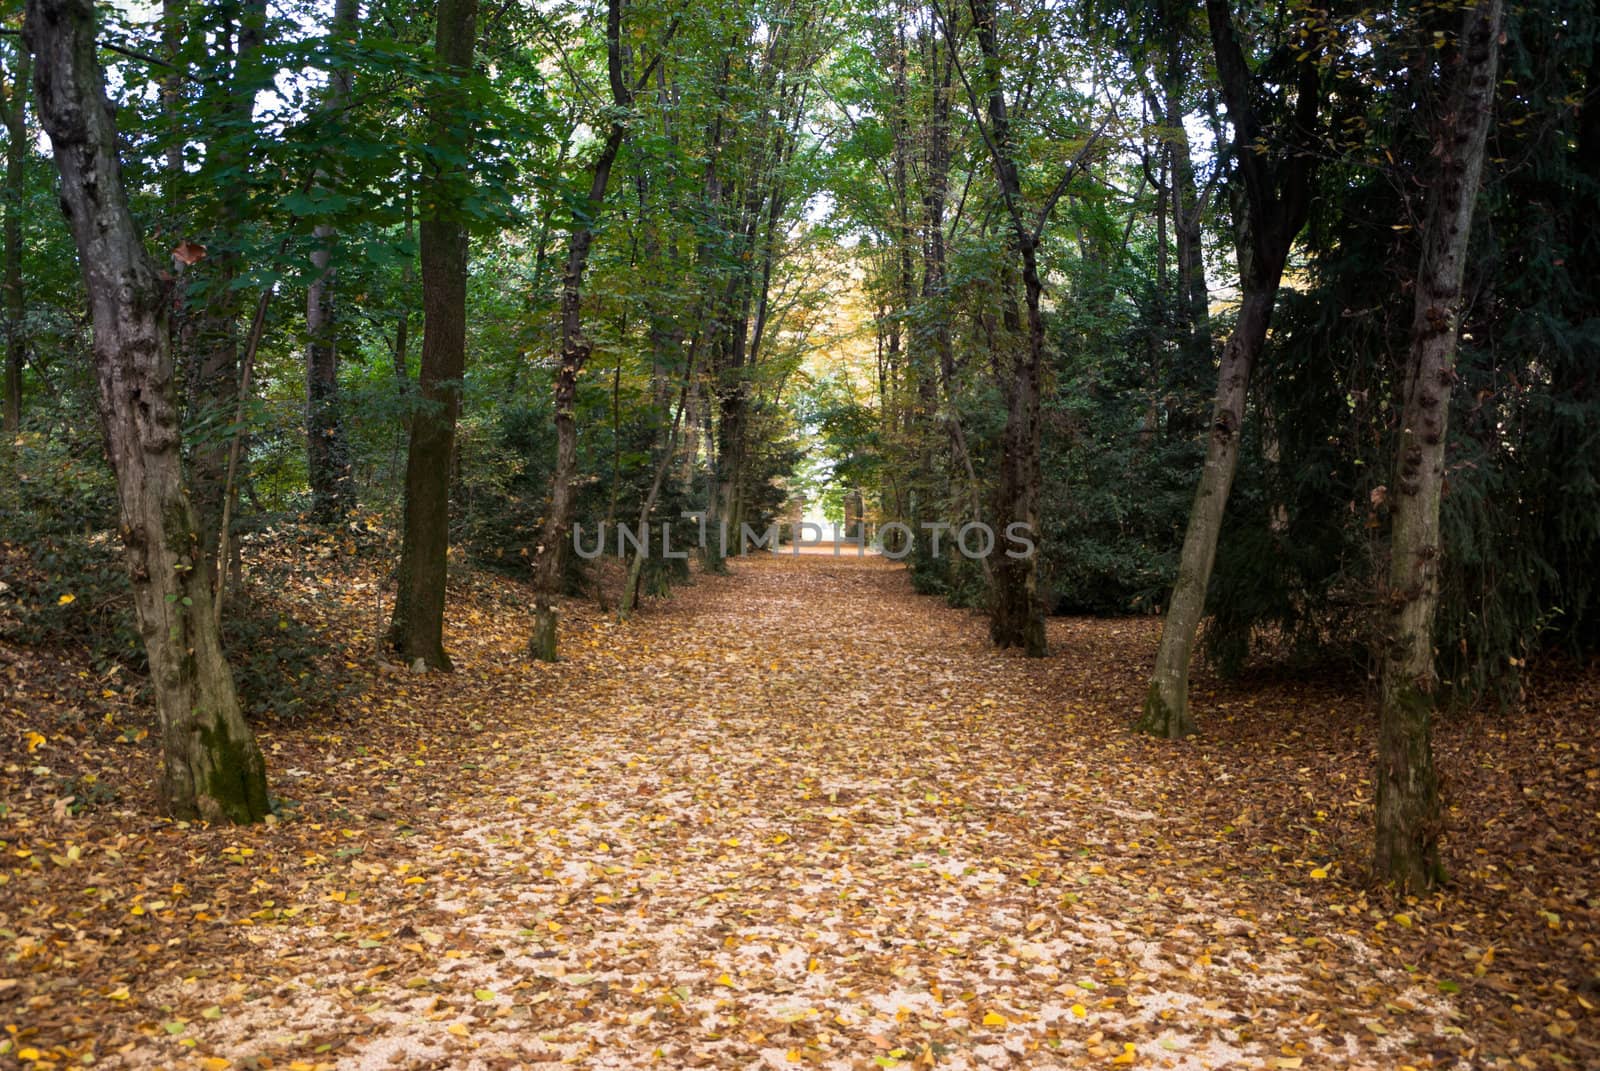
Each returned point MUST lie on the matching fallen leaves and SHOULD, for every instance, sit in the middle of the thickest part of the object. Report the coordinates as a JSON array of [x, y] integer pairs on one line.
[[713, 838]]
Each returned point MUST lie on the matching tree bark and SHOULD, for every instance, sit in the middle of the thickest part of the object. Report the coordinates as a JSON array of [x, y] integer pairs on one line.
[[327, 454], [402, 326], [1016, 615], [417, 628], [212, 768], [630, 589], [1272, 207], [575, 348], [212, 344], [172, 86], [1408, 811], [1194, 319], [1166, 706], [15, 115], [935, 319], [759, 182]]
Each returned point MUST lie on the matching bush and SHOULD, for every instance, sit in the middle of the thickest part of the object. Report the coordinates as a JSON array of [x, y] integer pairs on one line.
[[66, 586]]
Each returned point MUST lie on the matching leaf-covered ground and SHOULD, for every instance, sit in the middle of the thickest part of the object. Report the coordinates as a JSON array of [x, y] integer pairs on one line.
[[797, 816]]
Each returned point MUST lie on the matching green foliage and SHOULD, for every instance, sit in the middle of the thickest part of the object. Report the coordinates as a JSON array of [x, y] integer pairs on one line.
[[66, 585], [284, 669], [1305, 549], [505, 476], [65, 580], [773, 142], [1119, 453]]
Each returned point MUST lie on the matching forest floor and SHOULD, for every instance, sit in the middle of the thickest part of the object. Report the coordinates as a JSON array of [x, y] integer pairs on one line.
[[794, 816]]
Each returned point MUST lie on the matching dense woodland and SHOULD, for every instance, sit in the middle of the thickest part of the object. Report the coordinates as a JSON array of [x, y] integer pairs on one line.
[[1276, 322]]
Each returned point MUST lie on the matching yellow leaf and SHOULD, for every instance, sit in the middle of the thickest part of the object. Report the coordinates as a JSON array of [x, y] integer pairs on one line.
[[1079, 1010], [725, 980], [339, 895], [67, 599], [29, 1053], [995, 1019], [215, 1063], [483, 994], [458, 1029], [35, 740], [120, 993], [1319, 873], [301, 1065], [1404, 920], [1127, 1055], [1289, 1063]]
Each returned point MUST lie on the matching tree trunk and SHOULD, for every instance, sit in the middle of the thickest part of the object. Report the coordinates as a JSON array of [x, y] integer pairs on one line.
[[575, 347], [15, 115], [1166, 705], [1016, 616], [733, 352], [935, 286], [1194, 319], [1272, 204], [402, 326], [1408, 810], [905, 230], [214, 385], [327, 455], [630, 590], [417, 628], [212, 768], [172, 86]]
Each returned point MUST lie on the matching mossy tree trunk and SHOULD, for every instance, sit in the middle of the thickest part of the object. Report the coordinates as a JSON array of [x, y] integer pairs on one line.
[[1408, 809], [416, 630], [212, 768]]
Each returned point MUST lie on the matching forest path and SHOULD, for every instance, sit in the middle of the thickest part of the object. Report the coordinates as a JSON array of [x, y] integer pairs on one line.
[[797, 816]]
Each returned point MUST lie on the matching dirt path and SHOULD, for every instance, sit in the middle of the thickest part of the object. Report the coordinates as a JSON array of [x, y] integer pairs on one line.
[[797, 817]]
